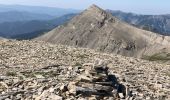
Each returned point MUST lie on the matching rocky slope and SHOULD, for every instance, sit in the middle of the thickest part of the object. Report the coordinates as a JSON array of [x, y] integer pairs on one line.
[[32, 70], [96, 29]]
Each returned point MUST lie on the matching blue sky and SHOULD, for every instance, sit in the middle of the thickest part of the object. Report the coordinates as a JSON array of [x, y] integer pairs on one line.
[[137, 6]]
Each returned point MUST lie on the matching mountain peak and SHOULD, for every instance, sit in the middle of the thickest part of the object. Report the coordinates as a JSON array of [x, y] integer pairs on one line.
[[96, 12], [96, 29], [95, 8]]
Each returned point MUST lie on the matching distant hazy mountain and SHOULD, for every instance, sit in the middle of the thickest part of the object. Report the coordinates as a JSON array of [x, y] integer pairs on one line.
[[30, 29], [38, 10], [12, 16], [155, 23]]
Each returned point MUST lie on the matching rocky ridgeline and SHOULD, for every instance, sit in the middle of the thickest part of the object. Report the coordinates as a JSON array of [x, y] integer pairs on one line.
[[31, 70]]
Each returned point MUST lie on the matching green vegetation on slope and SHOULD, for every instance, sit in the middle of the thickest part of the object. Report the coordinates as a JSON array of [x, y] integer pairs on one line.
[[158, 57]]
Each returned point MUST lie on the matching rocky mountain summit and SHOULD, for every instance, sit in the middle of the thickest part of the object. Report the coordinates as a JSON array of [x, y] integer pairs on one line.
[[32, 70], [96, 29]]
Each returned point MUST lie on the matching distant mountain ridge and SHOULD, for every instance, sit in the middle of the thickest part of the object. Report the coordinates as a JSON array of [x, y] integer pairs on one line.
[[155, 23], [12, 16], [19, 20], [97, 29], [57, 12], [31, 29]]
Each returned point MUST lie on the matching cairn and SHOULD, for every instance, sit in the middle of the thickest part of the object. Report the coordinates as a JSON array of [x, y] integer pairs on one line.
[[96, 81]]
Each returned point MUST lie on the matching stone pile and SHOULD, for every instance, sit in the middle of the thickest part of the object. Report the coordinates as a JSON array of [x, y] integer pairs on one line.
[[98, 83]]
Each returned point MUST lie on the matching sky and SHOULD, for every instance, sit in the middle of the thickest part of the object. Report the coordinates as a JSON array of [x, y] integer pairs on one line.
[[136, 6]]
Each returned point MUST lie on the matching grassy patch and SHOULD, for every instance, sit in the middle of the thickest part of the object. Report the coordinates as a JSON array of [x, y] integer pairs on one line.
[[78, 64], [44, 74], [168, 74], [158, 57], [82, 56], [10, 73]]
